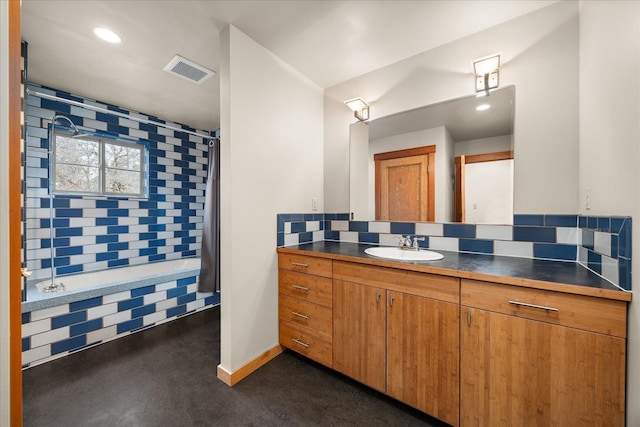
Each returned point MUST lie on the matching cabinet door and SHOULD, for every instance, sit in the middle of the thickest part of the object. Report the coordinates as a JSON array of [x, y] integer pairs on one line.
[[516, 371], [359, 332], [423, 354]]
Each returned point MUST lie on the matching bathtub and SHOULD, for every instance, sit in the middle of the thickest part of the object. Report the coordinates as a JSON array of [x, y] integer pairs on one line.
[[102, 306], [82, 286]]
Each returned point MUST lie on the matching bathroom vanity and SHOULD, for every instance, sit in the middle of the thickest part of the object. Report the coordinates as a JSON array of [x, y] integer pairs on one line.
[[471, 339]]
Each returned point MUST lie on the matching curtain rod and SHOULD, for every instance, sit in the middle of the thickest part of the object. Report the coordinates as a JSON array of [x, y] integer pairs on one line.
[[116, 113]]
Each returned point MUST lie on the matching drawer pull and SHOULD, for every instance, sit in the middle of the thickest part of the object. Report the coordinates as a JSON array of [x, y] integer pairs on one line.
[[304, 344], [301, 288], [541, 307], [300, 264], [295, 313]]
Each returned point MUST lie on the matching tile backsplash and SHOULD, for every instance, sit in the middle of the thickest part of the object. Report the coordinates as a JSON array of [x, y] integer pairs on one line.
[[601, 244]]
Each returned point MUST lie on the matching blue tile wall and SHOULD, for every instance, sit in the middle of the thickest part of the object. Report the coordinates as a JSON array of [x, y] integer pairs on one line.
[[602, 244], [95, 233], [57, 331], [606, 247]]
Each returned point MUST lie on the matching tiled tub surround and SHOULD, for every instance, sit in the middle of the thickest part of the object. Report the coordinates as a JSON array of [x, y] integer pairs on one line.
[[553, 237], [53, 332], [95, 233], [101, 233]]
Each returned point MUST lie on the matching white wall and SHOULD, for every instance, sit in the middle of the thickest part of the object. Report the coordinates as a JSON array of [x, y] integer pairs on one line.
[[484, 145], [489, 192], [444, 165], [5, 396], [361, 197], [609, 139], [540, 58], [271, 162]]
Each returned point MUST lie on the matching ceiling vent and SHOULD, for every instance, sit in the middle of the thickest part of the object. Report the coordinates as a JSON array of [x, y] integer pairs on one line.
[[186, 69]]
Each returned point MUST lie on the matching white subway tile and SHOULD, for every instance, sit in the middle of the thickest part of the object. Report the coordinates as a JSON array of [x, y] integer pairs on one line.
[[313, 225], [602, 243], [156, 317], [348, 236], [379, 227], [102, 334], [610, 270], [120, 296], [287, 228], [291, 239], [154, 297], [37, 327], [194, 305], [494, 232], [166, 285], [102, 311], [425, 229], [37, 353], [49, 312], [114, 319], [443, 243], [340, 225], [514, 249], [49, 337], [389, 239], [318, 236], [168, 303], [140, 134], [568, 235]]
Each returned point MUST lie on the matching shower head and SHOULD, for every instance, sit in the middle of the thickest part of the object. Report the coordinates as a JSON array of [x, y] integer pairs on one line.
[[76, 132]]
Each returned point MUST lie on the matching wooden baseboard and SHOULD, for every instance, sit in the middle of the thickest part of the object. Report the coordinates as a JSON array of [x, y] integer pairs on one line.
[[233, 378]]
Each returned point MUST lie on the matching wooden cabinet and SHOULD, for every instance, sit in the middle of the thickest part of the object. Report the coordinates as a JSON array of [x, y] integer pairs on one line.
[[423, 354], [359, 335], [402, 344], [531, 357], [305, 306], [470, 353]]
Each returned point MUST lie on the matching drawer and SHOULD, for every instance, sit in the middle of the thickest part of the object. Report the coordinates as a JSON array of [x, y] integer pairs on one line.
[[305, 264], [306, 287], [313, 316], [434, 286], [306, 342], [576, 311]]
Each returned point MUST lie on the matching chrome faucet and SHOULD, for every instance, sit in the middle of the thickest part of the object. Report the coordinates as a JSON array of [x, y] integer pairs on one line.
[[406, 243]]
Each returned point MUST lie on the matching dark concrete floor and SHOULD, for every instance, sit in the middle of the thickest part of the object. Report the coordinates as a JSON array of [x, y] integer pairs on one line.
[[166, 376]]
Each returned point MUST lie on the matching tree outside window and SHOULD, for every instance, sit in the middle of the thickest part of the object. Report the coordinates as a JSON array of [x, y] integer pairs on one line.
[[88, 165]]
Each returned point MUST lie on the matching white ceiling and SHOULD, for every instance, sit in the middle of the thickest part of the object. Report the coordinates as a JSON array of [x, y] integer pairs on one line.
[[328, 41]]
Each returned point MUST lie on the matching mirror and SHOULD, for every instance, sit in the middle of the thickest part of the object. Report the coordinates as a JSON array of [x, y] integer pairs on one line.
[[446, 162]]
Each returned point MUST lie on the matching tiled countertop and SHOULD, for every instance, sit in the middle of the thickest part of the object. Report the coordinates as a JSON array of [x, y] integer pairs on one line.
[[568, 277]]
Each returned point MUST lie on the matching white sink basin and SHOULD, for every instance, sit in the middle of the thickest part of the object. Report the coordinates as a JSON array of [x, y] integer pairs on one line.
[[404, 255]]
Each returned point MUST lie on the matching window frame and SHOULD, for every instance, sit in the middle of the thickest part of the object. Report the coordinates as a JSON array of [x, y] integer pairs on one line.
[[102, 167]]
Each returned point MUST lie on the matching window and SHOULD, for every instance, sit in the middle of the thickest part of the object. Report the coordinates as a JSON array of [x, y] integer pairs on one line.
[[94, 165]]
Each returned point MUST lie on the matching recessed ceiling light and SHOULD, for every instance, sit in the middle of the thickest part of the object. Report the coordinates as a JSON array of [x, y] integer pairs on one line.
[[483, 107], [107, 35]]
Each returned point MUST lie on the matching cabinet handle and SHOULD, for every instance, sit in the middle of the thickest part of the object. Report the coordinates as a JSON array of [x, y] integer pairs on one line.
[[300, 264], [541, 307], [391, 300], [377, 296], [302, 288], [468, 317], [304, 344], [295, 313]]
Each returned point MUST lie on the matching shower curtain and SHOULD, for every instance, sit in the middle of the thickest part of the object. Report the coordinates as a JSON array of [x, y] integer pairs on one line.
[[210, 254]]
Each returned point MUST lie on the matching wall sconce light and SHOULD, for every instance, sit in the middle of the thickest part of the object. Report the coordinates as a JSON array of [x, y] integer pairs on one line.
[[359, 107], [486, 70]]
